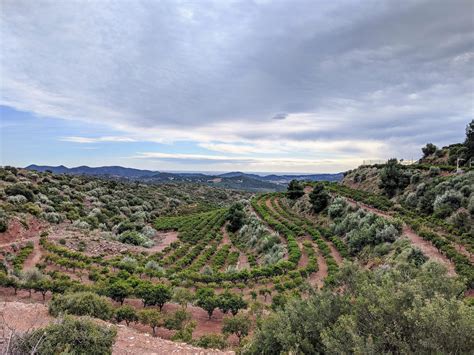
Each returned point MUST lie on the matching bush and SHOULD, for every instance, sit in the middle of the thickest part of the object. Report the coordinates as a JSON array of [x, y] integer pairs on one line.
[[236, 217], [211, 341], [238, 325], [362, 315], [337, 208], [295, 190], [393, 178], [133, 238], [319, 198], [69, 336], [81, 304], [33, 209], [434, 171], [447, 203], [20, 189], [3, 224]]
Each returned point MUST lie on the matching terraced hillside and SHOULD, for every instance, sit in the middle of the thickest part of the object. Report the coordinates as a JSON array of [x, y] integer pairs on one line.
[[189, 260]]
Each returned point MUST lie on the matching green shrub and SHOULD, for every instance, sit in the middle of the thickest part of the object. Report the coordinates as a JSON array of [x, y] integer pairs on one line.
[[81, 304], [73, 336], [295, 190], [211, 341], [20, 189], [3, 224]]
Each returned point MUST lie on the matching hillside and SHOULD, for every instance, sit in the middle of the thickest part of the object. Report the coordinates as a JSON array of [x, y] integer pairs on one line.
[[215, 251]]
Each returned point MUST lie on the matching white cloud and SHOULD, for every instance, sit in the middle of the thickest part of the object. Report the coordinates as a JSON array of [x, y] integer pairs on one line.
[[88, 140], [224, 162]]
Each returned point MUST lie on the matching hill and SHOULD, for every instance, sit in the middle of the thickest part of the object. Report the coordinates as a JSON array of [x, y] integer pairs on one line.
[[232, 180]]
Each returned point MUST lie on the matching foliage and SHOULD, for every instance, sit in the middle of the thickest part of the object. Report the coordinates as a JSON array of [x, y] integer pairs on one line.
[[232, 302], [366, 317], [177, 320], [360, 229], [126, 313], [182, 296], [469, 142], [393, 178], [20, 189], [81, 304], [119, 290], [429, 149], [68, 336], [134, 238], [236, 217], [211, 341], [152, 318], [207, 300], [238, 325], [319, 198], [153, 294], [295, 190]]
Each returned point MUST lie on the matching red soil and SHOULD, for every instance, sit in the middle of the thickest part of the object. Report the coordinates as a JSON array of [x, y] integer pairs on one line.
[[243, 262], [16, 232], [166, 238], [317, 278]]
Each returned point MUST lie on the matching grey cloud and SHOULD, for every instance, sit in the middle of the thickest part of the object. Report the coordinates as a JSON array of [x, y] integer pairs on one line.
[[170, 63], [280, 116]]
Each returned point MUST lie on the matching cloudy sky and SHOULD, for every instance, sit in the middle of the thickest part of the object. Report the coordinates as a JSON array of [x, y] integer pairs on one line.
[[262, 85]]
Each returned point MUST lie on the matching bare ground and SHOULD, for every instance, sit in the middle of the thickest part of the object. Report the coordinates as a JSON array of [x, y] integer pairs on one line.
[[243, 262], [317, 278], [17, 232]]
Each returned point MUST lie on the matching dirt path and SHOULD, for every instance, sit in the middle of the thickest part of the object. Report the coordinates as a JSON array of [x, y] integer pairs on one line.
[[35, 256], [425, 246], [243, 262], [317, 278], [303, 262], [225, 235], [128, 341], [335, 253]]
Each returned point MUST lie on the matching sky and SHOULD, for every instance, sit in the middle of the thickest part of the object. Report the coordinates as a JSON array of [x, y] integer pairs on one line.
[[263, 85]]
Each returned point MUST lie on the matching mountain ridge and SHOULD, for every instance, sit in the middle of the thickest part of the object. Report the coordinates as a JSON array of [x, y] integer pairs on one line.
[[234, 180]]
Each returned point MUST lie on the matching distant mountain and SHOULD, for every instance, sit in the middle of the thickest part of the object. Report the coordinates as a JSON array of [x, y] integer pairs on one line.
[[239, 174], [114, 171], [231, 180]]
